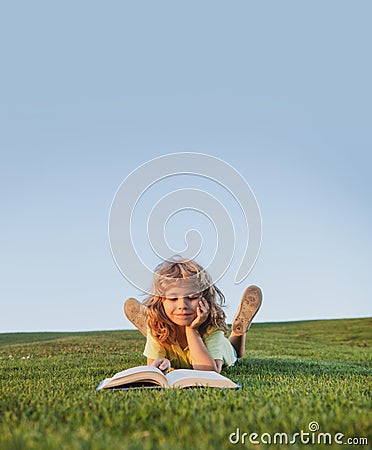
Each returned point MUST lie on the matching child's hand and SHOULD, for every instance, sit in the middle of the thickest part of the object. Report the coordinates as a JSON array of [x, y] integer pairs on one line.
[[202, 312], [162, 364]]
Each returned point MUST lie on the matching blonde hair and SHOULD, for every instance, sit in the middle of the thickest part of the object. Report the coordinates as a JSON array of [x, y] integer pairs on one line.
[[173, 271]]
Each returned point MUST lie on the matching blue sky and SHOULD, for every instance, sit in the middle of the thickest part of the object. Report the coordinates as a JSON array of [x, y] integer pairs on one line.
[[89, 91]]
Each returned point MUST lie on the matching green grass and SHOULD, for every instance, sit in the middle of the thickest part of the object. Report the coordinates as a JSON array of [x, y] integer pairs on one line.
[[293, 373]]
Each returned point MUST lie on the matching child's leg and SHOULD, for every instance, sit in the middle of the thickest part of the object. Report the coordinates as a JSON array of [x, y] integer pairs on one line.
[[136, 313], [249, 305]]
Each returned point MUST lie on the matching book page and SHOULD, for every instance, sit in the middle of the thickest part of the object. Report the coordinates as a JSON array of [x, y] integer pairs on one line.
[[134, 370], [189, 377], [136, 376]]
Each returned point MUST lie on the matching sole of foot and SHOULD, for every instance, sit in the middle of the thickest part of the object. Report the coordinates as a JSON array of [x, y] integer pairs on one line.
[[249, 306], [136, 313]]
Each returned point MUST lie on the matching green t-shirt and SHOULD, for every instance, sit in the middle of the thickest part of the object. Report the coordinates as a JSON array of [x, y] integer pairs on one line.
[[218, 346]]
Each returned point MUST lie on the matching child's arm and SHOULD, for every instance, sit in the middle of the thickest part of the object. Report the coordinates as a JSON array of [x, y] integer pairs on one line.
[[200, 357]]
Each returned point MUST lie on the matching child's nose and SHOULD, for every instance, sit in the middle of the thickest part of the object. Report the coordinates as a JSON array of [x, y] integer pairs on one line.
[[183, 302]]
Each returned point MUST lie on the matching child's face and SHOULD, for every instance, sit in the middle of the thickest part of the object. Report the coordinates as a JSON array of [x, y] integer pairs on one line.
[[180, 303]]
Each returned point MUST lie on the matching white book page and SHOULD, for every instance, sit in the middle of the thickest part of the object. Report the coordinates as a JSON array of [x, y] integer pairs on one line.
[[134, 370], [198, 375]]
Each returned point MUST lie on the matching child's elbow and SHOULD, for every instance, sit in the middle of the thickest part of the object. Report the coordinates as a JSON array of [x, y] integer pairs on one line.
[[218, 365], [214, 366]]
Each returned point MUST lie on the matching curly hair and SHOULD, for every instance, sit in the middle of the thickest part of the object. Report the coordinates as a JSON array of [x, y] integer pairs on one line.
[[173, 272]]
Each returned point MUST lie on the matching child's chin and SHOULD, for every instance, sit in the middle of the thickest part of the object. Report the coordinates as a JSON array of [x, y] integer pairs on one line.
[[185, 321]]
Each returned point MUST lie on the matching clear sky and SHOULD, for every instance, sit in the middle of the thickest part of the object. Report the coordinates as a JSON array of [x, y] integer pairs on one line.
[[91, 90]]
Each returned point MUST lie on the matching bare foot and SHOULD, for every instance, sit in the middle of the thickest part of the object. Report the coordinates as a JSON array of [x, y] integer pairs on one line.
[[249, 305], [136, 313]]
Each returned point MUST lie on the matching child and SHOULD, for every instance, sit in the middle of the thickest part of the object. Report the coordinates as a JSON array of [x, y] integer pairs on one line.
[[183, 320]]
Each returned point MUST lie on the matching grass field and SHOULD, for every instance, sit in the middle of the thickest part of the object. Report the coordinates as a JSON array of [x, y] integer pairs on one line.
[[294, 373]]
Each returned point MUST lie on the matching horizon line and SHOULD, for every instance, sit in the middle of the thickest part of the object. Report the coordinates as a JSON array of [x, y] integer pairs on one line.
[[135, 329]]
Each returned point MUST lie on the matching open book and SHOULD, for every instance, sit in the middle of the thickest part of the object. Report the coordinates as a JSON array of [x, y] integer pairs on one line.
[[150, 376]]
